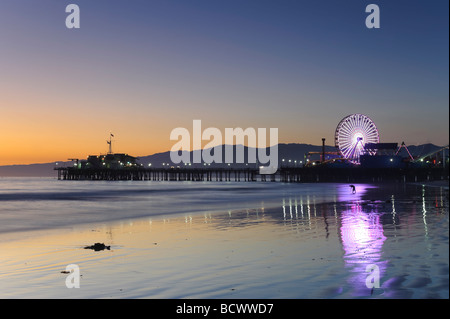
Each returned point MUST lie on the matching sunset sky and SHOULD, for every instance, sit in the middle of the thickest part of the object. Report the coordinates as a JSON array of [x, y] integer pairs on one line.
[[140, 68]]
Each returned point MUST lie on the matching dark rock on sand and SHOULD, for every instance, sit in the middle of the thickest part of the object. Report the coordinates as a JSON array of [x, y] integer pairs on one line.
[[98, 247]]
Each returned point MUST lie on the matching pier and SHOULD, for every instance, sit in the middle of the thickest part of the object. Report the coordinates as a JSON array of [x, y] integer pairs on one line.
[[158, 174], [287, 175]]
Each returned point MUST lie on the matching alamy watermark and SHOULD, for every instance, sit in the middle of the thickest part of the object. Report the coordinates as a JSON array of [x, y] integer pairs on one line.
[[73, 18], [73, 279], [234, 138], [373, 19], [373, 278]]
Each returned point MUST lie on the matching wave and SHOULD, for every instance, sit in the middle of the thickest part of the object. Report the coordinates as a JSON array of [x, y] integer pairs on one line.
[[121, 193]]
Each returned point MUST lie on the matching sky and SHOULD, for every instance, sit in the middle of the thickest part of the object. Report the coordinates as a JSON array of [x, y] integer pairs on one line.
[[141, 68]]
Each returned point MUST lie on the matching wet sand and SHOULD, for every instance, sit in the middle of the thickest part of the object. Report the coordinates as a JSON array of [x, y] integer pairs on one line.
[[297, 249]]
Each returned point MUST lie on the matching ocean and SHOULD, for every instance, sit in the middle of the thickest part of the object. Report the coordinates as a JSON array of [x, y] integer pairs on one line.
[[267, 240], [40, 203]]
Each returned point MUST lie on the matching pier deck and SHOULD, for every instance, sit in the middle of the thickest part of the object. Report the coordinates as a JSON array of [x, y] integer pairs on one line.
[[297, 174]]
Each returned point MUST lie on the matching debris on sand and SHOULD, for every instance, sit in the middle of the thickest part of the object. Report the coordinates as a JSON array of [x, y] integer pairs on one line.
[[98, 247]]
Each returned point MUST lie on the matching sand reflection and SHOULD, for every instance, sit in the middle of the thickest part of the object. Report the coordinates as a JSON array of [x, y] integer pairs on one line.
[[362, 240], [303, 248]]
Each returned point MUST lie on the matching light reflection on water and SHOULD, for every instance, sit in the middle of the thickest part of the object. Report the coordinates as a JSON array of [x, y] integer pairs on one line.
[[362, 240], [303, 248], [362, 222]]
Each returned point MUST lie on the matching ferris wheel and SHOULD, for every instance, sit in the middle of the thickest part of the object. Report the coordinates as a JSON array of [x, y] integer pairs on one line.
[[353, 133]]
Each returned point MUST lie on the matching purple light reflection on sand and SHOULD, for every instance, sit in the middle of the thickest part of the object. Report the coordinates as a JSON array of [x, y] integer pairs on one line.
[[345, 193], [362, 240]]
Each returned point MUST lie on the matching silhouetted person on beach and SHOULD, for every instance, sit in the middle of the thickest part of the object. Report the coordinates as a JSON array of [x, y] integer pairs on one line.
[[353, 189]]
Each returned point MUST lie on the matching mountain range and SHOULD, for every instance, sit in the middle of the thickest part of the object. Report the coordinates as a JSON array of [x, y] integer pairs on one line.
[[293, 155]]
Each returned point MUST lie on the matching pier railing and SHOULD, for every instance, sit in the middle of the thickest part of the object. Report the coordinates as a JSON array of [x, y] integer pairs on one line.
[[295, 174]]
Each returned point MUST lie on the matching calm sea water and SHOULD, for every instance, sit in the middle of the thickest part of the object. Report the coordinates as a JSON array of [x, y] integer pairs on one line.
[[37, 203], [225, 240]]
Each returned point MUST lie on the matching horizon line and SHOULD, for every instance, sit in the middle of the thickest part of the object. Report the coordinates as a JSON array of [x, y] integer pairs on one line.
[[222, 145]]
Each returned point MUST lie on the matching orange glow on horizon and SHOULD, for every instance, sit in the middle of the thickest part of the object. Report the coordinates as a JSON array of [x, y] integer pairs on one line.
[[43, 132]]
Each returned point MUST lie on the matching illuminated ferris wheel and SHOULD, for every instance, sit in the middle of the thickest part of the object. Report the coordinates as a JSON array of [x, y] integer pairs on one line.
[[353, 133]]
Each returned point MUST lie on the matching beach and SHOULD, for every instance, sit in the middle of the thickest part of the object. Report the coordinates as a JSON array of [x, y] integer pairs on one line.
[[227, 241]]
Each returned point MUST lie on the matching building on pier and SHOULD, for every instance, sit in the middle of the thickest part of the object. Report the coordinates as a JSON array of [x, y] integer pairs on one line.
[[107, 161], [110, 161]]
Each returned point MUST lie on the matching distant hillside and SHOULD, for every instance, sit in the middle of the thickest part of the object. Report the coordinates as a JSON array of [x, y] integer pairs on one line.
[[32, 170], [293, 152]]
